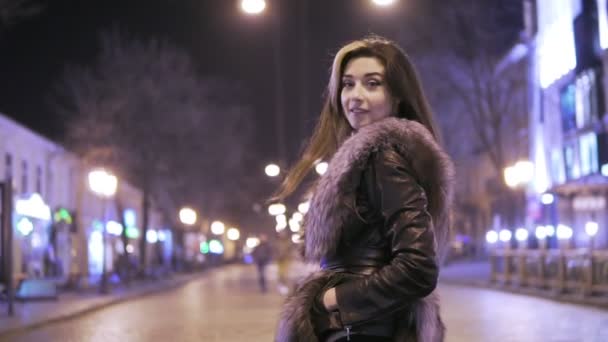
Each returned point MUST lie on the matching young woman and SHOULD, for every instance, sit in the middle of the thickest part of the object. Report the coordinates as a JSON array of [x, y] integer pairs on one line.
[[378, 218]]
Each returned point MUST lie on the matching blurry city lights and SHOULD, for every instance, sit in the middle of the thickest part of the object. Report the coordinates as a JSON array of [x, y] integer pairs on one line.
[[36, 240], [563, 232], [114, 228], [281, 226], [33, 206], [491, 237], [253, 6], [151, 236], [504, 235], [521, 234], [547, 198], [605, 170], [217, 228], [102, 183], [252, 242], [303, 207], [297, 216], [25, 226], [187, 216], [383, 2], [233, 234], [281, 218], [161, 235], [519, 174], [591, 228], [204, 247], [549, 230], [541, 232], [296, 238], [321, 168], [294, 225], [276, 209], [130, 248], [216, 247], [272, 170]]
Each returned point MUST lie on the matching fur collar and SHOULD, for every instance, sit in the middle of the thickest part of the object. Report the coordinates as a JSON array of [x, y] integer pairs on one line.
[[425, 159]]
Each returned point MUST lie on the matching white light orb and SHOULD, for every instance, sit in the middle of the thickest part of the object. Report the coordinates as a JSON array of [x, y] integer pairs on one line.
[[504, 235], [491, 237], [217, 228], [253, 6], [272, 170]]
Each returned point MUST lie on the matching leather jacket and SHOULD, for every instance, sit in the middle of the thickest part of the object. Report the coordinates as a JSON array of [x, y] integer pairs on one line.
[[378, 224], [387, 252]]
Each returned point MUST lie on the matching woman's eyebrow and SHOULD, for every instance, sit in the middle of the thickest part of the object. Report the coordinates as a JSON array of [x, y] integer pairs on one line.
[[366, 75]]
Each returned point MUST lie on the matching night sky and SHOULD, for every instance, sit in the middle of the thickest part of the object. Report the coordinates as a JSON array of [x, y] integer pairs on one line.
[[223, 41]]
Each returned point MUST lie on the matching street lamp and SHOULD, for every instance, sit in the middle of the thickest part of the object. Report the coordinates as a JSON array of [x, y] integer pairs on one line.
[[321, 168], [383, 2], [591, 229], [217, 228], [272, 170], [233, 234], [276, 209], [253, 6], [104, 185], [187, 216]]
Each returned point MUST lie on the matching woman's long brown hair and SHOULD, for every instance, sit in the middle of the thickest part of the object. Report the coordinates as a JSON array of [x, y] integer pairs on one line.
[[332, 127]]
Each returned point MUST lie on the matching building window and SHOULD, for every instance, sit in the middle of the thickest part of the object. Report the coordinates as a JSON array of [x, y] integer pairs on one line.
[[23, 176], [588, 154], [8, 165], [586, 99], [567, 101], [571, 161], [39, 179]]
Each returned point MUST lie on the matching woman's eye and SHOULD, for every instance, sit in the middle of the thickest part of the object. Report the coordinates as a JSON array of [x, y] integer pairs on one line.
[[373, 83], [347, 84]]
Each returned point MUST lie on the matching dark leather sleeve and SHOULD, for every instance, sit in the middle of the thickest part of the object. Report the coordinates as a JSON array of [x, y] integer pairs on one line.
[[413, 271]]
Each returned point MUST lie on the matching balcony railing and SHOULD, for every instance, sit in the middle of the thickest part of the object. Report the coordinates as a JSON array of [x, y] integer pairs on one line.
[[579, 271]]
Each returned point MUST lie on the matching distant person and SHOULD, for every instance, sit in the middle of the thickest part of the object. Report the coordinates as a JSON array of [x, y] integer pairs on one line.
[[378, 217], [262, 254], [284, 248]]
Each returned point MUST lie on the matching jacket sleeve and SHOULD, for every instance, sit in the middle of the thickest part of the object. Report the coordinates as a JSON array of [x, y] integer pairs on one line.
[[413, 271]]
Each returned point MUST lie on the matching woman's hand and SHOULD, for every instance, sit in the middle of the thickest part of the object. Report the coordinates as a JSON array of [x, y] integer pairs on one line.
[[329, 300]]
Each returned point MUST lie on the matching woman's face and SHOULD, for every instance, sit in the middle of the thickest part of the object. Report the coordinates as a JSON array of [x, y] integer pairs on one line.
[[364, 96]]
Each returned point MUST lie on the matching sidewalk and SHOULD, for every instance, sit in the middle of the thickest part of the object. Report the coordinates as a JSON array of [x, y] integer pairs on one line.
[[31, 314], [477, 274]]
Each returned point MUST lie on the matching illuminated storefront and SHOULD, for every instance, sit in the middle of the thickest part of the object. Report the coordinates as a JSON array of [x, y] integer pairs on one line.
[[32, 221]]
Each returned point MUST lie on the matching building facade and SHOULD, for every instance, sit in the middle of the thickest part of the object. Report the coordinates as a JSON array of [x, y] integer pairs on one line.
[[569, 140]]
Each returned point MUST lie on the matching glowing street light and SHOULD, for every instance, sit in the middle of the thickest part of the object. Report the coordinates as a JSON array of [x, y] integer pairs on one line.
[[491, 237], [187, 216], [321, 168], [383, 2], [591, 228], [504, 235], [276, 209], [233, 234], [217, 228], [103, 184], [272, 170], [519, 174], [303, 207], [253, 6]]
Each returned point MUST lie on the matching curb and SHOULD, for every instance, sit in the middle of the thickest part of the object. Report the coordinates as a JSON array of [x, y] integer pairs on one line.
[[35, 325], [599, 303]]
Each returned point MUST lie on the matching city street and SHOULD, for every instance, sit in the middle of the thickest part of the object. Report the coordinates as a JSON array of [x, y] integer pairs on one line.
[[225, 305]]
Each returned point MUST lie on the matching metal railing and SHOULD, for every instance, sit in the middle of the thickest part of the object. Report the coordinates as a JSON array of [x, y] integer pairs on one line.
[[579, 271]]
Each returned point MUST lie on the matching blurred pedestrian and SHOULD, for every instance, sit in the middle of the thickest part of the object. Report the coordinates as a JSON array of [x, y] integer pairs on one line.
[[378, 218], [262, 254], [284, 247]]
